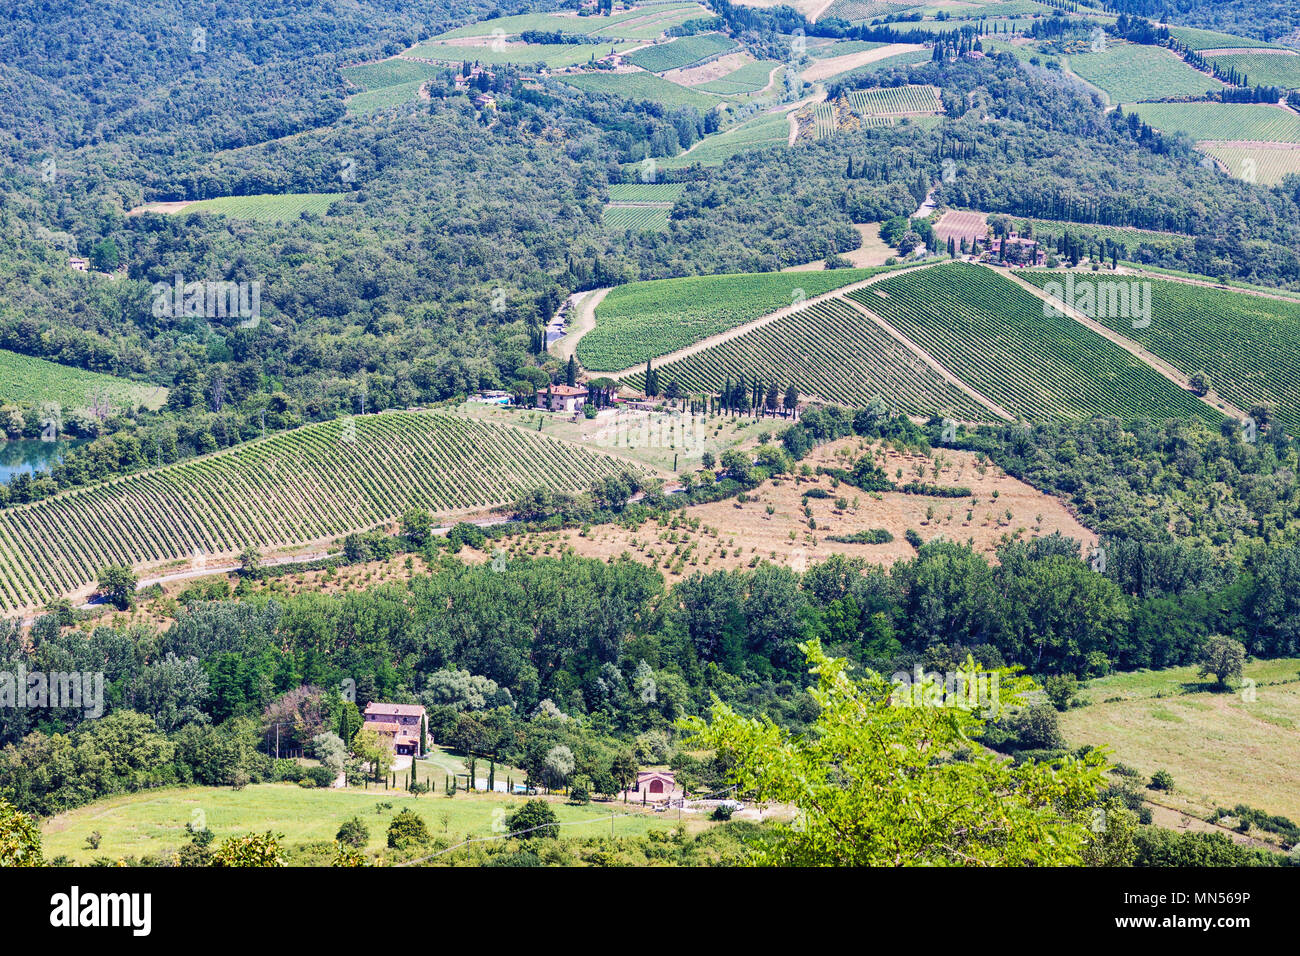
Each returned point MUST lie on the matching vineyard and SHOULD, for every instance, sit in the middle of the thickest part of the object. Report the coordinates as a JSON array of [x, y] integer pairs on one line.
[[1129, 72], [26, 380], [551, 55], [895, 100], [310, 484], [266, 208], [1264, 69], [643, 320], [856, 11], [394, 72], [384, 97], [635, 217], [996, 337], [1248, 344], [831, 350], [641, 86], [1264, 163], [750, 78], [1223, 121], [639, 23], [762, 132], [682, 52], [1197, 39], [1127, 236]]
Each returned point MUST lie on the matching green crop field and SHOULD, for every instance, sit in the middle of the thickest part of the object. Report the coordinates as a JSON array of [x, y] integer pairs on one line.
[[1249, 344], [750, 78], [823, 51], [1127, 236], [1129, 72], [155, 821], [831, 350], [266, 208], [25, 380], [996, 337], [384, 97], [309, 484], [897, 61], [640, 86], [1210, 40], [894, 99], [375, 76], [645, 192], [640, 23], [761, 132], [643, 320], [1265, 165], [1264, 69], [640, 218], [552, 55], [1220, 747], [1227, 121], [856, 11], [681, 52]]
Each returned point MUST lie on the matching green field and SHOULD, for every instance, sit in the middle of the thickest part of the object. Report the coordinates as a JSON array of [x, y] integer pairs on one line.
[[640, 86], [1220, 748], [1129, 72], [892, 100], [25, 380], [1256, 164], [639, 218], [1264, 69], [375, 76], [643, 320], [681, 52], [830, 350], [266, 208], [750, 78], [1210, 40], [761, 132], [155, 821], [997, 338], [1249, 344], [385, 97], [311, 484], [640, 23], [551, 55], [823, 51], [1129, 237], [1226, 121]]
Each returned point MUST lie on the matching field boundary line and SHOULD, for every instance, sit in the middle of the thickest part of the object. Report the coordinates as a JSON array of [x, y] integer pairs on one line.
[[1155, 362], [739, 330], [931, 361]]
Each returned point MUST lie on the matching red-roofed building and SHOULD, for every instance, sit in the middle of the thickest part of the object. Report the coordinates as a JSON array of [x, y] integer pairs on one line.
[[400, 724], [562, 398]]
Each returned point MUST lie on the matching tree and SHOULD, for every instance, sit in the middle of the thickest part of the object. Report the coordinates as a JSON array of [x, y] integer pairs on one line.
[[534, 820], [557, 766], [417, 526], [1224, 658], [571, 372], [105, 256], [874, 784], [371, 749], [254, 849], [1200, 383], [20, 838], [117, 585], [407, 830], [250, 561]]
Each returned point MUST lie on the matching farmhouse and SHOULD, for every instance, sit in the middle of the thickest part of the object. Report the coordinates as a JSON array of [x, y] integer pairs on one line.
[[656, 785], [398, 724], [78, 263], [1019, 250], [485, 101], [562, 398]]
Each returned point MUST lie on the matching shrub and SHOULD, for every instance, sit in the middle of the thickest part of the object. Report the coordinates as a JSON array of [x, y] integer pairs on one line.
[[1161, 780], [535, 819], [407, 829], [353, 833]]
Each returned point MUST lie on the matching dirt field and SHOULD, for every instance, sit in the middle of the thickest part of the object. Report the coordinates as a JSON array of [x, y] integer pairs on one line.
[[161, 207], [833, 66], [961, 225], [729, 534], [708, 72]]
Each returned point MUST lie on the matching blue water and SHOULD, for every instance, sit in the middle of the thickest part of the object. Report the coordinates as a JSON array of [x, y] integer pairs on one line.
[[30, 456]]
